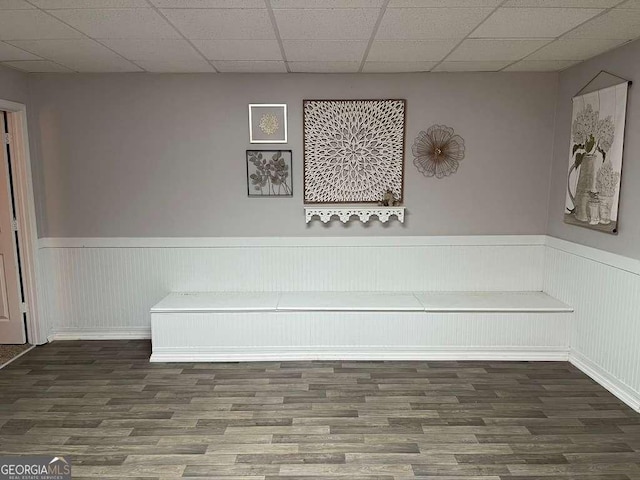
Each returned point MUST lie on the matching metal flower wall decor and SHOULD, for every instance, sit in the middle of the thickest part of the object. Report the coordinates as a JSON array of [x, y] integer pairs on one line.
[[438, 151]]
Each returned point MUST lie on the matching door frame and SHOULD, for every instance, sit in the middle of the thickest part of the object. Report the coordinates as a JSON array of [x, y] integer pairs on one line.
[[26, 213]]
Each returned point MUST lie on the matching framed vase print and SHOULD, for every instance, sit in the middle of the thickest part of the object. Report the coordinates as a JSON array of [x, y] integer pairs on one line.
[[268, 123], [595, 158]]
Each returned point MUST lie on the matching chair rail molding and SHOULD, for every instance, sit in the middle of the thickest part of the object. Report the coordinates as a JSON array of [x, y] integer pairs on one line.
[[286, 242]]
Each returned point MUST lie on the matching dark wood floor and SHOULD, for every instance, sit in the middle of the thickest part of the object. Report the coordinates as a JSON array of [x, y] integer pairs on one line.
[[116, 415]]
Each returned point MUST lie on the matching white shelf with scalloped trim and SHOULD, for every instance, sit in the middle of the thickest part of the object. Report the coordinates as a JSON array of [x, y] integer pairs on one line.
[[346, 212]]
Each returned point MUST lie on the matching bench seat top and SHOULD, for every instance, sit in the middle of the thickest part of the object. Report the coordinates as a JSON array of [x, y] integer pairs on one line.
[[433, 302], [491, 302], [350, 301], [195, 302]]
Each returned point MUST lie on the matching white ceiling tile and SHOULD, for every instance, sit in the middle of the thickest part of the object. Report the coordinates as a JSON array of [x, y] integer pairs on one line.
[[428, 23], [239, 49], [209, 3], [118, 23], [539, 65], [487, 50], [324, 50], [470, 66], [533, 22], [32, 24], [275, 4], [391, 67], [55, 4], [617, 23], [324, 67], [226, 66], [15, 5], [410, 50], [9, 52], [158, 65], [318, 36], [103, 65], [227, 23], [575, 48], [159, 49], [631, 4], [562, 3], [83, 55], [38, 66], [326, 24], [80, 54], [443, 3]]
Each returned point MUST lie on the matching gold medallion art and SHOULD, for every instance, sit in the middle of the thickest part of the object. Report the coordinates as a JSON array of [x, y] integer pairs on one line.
[[269, 124]]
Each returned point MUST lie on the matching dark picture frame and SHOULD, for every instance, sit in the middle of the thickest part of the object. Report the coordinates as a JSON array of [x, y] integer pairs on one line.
[[269, 173], [312, 172]]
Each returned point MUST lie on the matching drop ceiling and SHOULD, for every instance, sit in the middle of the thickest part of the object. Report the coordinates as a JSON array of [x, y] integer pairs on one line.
[[262, 36]]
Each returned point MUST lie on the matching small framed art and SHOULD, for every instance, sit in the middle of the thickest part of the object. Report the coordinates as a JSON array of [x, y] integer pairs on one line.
[[269, 173], [267, 123]]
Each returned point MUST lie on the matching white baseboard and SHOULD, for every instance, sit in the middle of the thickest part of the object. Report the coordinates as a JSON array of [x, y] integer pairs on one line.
[[120, 333], [370, 353], [621, 390]]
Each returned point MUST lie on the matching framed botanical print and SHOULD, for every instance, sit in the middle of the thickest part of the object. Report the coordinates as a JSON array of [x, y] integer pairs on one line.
[[269, 173], [267, 123]]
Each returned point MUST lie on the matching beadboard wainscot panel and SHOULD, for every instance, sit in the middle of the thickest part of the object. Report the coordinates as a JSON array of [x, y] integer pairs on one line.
[[604, 290], [247, 336], [104, 287]]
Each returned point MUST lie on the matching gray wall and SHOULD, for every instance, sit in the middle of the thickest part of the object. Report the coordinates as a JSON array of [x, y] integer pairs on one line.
[[624, 61], [13, 85], [139, 155]]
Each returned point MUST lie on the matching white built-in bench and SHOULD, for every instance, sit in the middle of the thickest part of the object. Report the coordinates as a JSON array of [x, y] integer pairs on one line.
[[246, 326]]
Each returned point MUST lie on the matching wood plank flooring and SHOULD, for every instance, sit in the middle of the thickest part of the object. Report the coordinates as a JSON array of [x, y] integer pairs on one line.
[[117, 416]]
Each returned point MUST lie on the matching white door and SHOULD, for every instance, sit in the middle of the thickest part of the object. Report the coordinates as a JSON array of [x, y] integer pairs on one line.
[[11, 318]]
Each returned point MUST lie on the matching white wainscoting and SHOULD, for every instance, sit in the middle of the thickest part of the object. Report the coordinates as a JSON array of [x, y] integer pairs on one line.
[[604, 290], [103, 288], [100, 287]]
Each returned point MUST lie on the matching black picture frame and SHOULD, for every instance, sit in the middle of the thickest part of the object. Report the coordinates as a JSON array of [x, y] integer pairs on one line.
[[262, 185]]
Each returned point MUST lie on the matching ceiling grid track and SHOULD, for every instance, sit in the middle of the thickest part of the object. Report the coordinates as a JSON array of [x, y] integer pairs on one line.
[[604, 12], [383, 10], [276, 31], [84, 35], [44, 59], [468, 35], [157, 10]]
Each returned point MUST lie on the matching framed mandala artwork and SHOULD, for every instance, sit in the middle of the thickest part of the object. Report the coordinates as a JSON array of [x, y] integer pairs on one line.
[[353, 150], [267, 123]]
